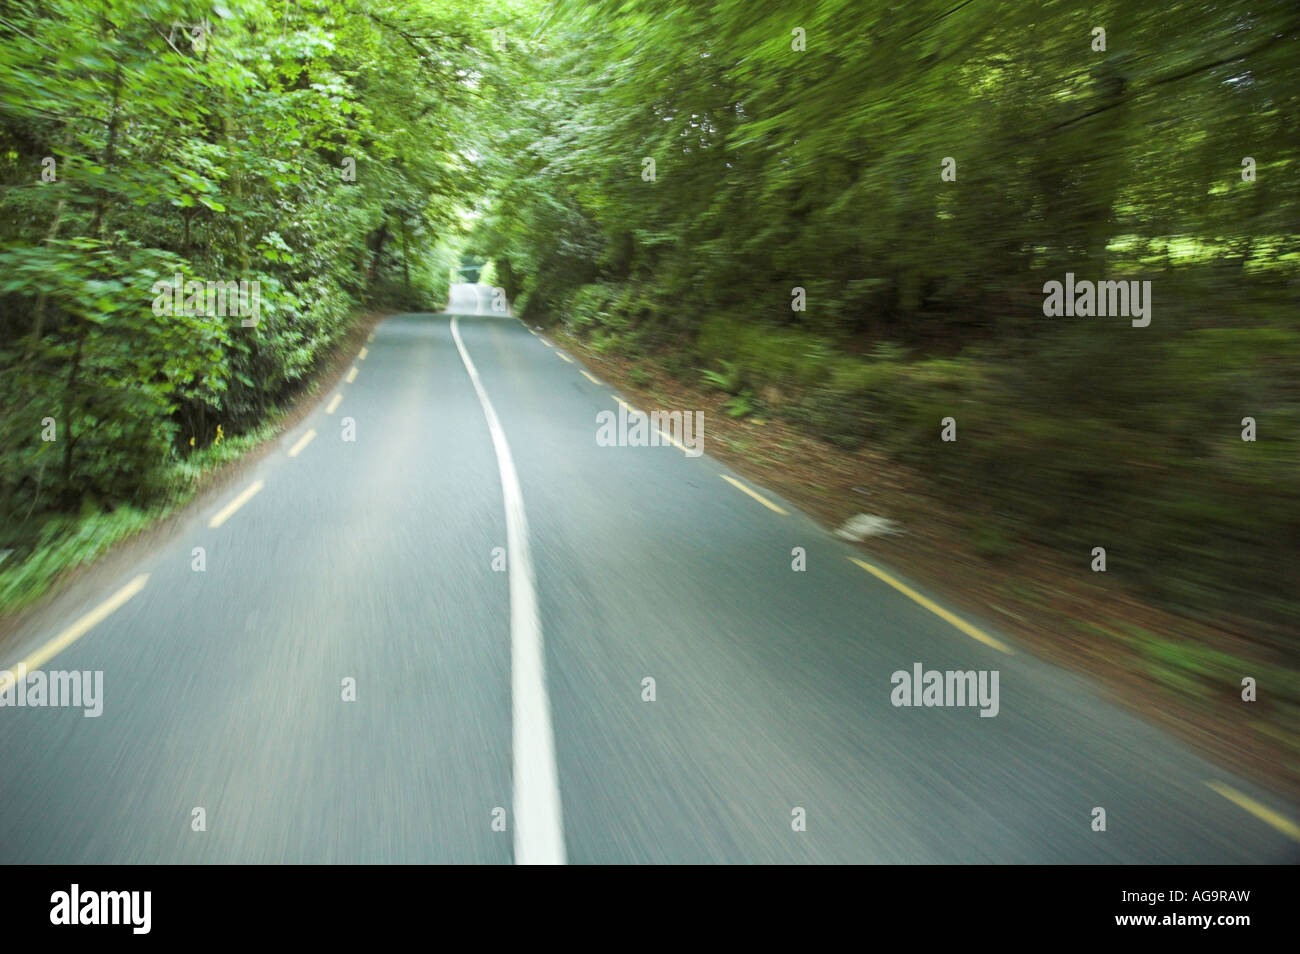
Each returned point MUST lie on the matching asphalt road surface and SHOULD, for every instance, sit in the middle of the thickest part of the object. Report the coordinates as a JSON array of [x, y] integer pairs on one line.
[[499, 587]]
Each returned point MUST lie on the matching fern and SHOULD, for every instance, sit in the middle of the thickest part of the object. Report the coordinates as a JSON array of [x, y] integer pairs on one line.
[[728, 379]]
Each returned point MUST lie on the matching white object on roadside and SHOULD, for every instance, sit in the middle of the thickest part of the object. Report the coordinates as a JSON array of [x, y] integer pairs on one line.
[[866, 525]]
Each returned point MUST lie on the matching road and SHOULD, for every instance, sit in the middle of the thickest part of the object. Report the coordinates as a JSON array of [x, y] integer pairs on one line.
[[515, 694]]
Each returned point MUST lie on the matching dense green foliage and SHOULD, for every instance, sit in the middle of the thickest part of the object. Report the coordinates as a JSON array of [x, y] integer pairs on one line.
[[820, 168], [315, 150], [795, 146]]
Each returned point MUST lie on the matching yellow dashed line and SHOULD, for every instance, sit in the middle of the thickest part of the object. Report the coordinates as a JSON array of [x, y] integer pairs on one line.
[[596, 381], [371, 336], [74, 632], [1262, 812], [333, 404], [974, 632], [352, 375], [545, 342], [564, 356], [678, 444], [362, 355], [226, 512], [672, 440], [757, 496], [303, 441]]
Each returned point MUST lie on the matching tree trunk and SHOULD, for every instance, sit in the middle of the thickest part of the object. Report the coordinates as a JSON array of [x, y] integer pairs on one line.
[[406, 258], [69, 438]]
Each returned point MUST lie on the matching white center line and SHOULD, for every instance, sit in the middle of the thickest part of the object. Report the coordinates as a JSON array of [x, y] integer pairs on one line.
[[539, 824]]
